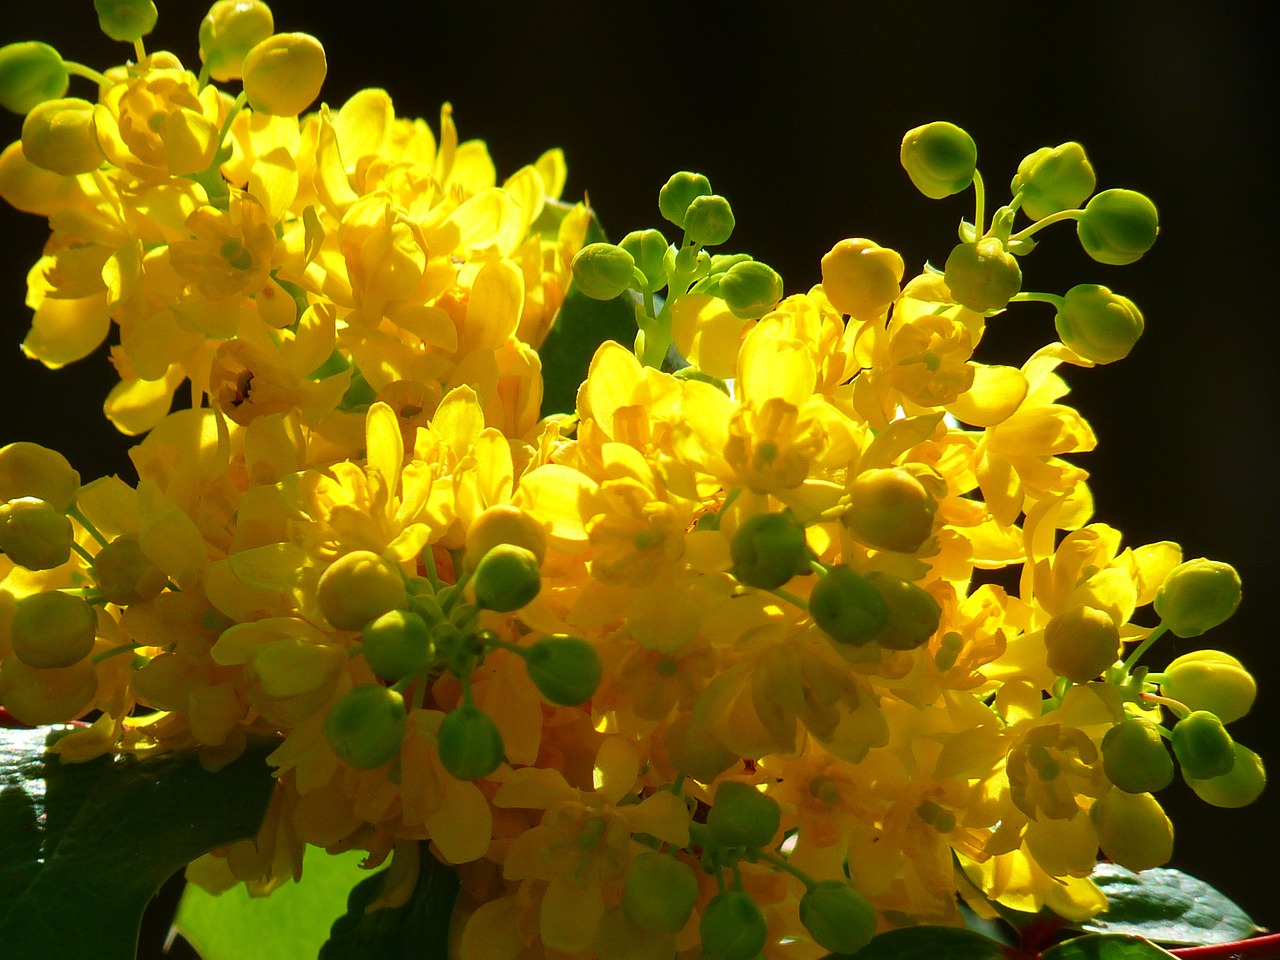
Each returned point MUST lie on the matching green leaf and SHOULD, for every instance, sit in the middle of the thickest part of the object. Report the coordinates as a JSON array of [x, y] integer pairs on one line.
[[581, 325], [84, 846], [1167, 906], [954, 943], [290, 924], [1097, 946], [419, 930]]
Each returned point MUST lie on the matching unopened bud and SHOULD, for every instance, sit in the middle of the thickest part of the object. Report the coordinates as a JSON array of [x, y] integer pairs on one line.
[[1118, 226], [603, 271], [566, 670], [680, 191], [889, 509], [506, 578], [648, 249], [742, 816], [126, 20], [53, 629], [1211, 680], [1081, 643], [913, 613], [837, 916], [659, 893], [940, 158], [34, 534], [30, 470], [469, 743], [38, 696], [982, 275], [1097, 324], [284, 73], [848, 607], [60, 135], [366, 726], [1053, 179], [1133, 829], [358, 587], [709, 221], [750, 289], [732, 928], [229, 31], [1197, 595], [1134, 757], [768, 549], [861, 278], [504, 523], [30, 73], [1238, 787], [397, 644], [1202, 745], [125, 574]]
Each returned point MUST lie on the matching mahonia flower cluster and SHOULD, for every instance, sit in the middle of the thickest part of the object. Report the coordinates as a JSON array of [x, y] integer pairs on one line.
[[797, 628]]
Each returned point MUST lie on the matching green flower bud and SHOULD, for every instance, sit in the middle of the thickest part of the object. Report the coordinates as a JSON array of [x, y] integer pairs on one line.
[[229, 31], [1118, 226], [659, 893], [506, 578], [30, 470], [397, 644], [940, 158], [34, 534], [680, 191], [837, 916], [768, 549], [1239, 787], [126, 20], [732, 928], [358, 587], [1133, 829], [983, 275], [1053, 179], [742, 816], [913, 613], [1211, 680], [567, 670], [30, 73], [503, 523], [53, 629], [603, 271], [648, 248], [750, 289], [889, 509], [37, 697], [284, 73], [1081, 643], [469, 743], [366, 726], [1202, 745], [1197, 595], [848, 607], [1134, 757], [60, 135], [1097, 324], [709, 221], [124, 573]]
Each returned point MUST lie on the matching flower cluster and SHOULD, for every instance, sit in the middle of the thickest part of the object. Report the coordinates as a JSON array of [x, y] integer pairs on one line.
[[797, 628]]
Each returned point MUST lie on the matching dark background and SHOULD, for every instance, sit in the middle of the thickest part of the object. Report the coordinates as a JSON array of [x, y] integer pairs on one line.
[[795, 112]]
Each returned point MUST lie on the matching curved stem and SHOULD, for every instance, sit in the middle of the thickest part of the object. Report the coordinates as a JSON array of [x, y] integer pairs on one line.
[[1152, 637], [1046, 222], [80, 70], [979, 205]]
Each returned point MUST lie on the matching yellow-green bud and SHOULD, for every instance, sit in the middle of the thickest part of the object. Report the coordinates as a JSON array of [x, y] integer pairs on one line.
[[566, 670], [848, 607], [61, 136], [284, 73], [503, 523], [742, 816], [1197, 595], [1118, 226], [229, 31], [659, 893], [126, 20], [1134, 757], [913, 613], [1239, 787], [1097, 324], [768, 549], [648, 249], [366, 726], [750, 289], [1202, 745], [1081, 643], [889, 509], [358, 587], [982, 275], [1133, 829], [940, 158], [732, 928], [709, 221], [469, 743], [30, 73], [34, 535], [680, 191], [1211, 680], [861, 278], [397, 644], [837, 916], [603, 271], [1053, 179], [30, 470], [53, 629], [124, 573], [37, 696], [506, 578]]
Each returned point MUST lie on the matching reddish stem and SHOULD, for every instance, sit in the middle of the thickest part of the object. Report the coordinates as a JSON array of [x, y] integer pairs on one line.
[[1255, 948]]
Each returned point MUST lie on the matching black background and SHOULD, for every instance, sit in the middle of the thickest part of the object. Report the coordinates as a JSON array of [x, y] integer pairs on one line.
[[795, 112]]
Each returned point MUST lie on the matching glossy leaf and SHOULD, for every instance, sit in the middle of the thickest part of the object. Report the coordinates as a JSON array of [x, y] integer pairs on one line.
[[954, 943], [580, 327], [1167, 906], [1098, 946]]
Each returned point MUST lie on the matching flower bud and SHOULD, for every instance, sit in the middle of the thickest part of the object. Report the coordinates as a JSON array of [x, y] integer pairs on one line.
[[1118, 226], [284, 73], [1197, 595], [861, 278], [1133, 829], [1211, 680], [742, 816], [469, 743], [30, 73], [913, 613], [366, 726], [768, 549], [358, 587], [397, 644], [126, 20], [53, 629], [1053, 179], [1097, 324], [732, 928], [37, 697], [1081, 643], [229, 31], [750, 289], [506, 578], [983, 275], [680, 191], [603, 271], [848, 607], [30, 470], [60, 135], [1202, 745], [709, 221], [648, 248], [940, 158], [34, 535], [1239, 787], [566, 670], [837, 916], [889, 509], [659, 893], [125, 574], [1134, 757], [503, 523]]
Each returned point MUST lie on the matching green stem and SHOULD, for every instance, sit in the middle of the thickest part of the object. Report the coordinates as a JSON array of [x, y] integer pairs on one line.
[[782, 864], [1152, 637], [80, 70], [790, 597], [84, 554], [1027, 296], [1046, 222], [78, 516], [97, 658], [979, 204]]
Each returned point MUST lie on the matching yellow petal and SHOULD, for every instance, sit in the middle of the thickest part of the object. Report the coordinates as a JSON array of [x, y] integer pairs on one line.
[[996, 393]]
